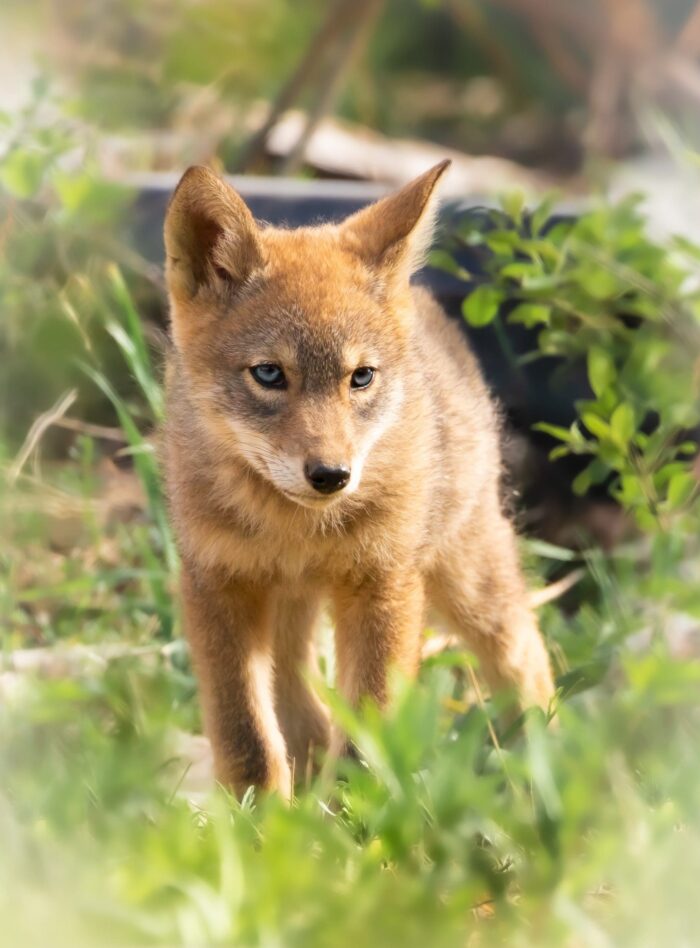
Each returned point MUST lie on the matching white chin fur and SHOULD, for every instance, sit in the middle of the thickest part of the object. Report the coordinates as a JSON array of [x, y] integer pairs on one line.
[[314, 501]]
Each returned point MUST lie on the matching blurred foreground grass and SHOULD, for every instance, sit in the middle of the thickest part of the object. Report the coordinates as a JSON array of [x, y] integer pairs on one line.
[[586, 836]]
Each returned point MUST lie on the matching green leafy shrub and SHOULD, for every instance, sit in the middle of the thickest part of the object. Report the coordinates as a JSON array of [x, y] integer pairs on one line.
[[594, 290]]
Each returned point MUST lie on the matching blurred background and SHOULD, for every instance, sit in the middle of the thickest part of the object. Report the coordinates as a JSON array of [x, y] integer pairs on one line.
[[547, 87], [262, 86], [567, 250]]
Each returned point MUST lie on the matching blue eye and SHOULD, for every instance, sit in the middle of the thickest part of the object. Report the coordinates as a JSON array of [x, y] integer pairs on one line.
[[362, 377], [269, 375]]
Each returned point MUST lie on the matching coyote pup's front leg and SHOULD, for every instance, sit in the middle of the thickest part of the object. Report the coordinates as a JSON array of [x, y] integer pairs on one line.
[[302, 717], [378, 627], [229, 629]]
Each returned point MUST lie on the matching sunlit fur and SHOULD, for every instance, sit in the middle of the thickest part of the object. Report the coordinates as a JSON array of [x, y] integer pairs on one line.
[[418, 525]]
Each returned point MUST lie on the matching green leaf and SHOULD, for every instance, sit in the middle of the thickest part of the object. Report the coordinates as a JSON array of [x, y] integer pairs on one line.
[[481, 306], [504, 242], [556, 342], [595, 473], [519, 270], [646, 520], [556, 431], [552, 551], [89, 197], [581, 483], [561, 451], [530, 314], [542, 213], [599, 283], [545, 285], [442, 259], [22, 172], [611, 455], [513, 203], [558, 234], [601, 370], [622, 424], [630, 492], [663, 477], [545, 249], [596, 425], [681, 488]]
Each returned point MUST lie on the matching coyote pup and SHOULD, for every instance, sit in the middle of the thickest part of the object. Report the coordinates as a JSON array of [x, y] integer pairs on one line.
[[329, 438]]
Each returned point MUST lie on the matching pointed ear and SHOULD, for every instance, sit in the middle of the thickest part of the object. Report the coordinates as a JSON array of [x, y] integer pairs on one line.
[[211, 238], [393, 235]]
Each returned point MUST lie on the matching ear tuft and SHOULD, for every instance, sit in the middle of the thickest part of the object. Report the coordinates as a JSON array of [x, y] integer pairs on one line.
[[210, 235], [394, 234]]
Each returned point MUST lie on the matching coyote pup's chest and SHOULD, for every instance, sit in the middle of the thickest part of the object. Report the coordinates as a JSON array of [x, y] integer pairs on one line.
[[289, 549]]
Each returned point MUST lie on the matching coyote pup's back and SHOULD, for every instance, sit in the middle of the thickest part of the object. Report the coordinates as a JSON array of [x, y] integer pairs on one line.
[[328, 437]]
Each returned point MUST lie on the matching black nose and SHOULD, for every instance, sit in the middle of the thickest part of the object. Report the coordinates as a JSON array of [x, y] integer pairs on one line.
[[326, 480]]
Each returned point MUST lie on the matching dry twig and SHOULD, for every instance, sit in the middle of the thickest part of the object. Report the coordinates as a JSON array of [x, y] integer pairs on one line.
[[37, 431]]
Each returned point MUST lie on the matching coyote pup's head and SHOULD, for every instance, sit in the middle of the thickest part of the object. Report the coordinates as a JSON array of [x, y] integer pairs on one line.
[[294, 343]]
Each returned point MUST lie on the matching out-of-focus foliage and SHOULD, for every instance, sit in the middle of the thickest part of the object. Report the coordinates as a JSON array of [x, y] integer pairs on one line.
[[156, 48], [131, 60], [60, 230], [127, 67], [595, 290]]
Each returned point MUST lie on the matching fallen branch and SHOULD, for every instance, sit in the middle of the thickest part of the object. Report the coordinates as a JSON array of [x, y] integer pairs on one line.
[[347, 150]]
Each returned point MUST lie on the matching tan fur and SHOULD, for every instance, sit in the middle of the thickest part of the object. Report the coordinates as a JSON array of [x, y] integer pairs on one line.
[[419, 524]]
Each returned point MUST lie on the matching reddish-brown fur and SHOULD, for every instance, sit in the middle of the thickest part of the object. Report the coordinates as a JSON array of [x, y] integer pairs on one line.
[[420, 523]]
